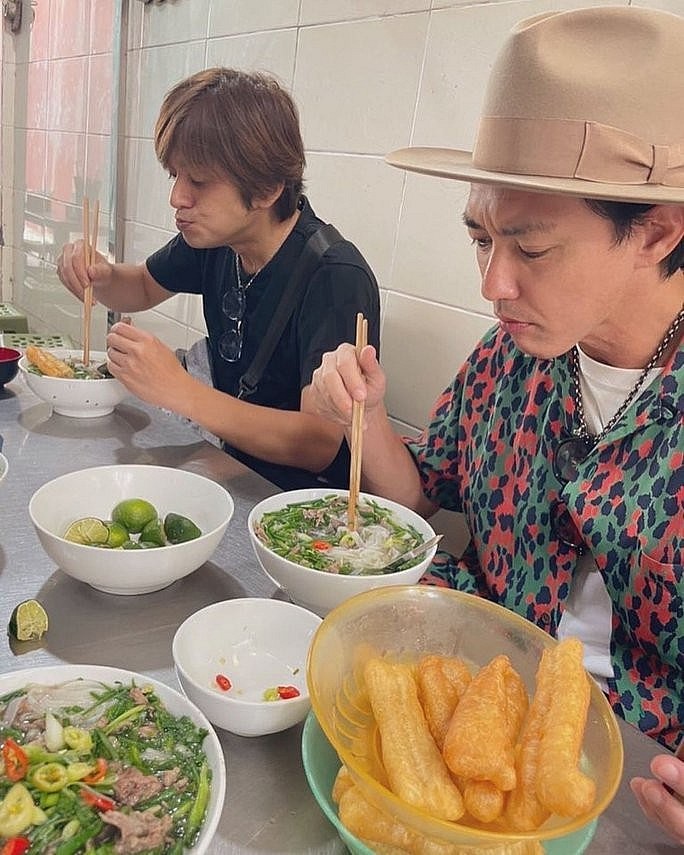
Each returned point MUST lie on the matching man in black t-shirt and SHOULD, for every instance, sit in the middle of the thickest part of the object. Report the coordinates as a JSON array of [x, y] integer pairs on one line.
[[231, 142]]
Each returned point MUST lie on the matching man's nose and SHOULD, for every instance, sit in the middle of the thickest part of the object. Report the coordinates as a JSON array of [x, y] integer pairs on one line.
[[179, 197], [499, 278]]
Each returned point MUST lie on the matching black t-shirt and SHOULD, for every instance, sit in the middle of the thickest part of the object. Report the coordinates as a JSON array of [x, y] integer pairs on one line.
[[341, 285]]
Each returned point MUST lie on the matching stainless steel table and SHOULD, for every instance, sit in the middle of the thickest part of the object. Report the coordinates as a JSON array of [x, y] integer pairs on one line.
[[268, 804]]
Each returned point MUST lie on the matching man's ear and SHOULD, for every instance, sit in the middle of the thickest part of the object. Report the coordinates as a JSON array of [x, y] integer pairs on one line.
[[268, 199], [661, 232]]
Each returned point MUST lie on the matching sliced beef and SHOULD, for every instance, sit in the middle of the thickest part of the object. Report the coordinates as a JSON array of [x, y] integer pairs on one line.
[[132, 787], [139, 831]]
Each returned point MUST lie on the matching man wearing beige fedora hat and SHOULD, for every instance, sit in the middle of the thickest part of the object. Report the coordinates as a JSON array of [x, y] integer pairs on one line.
[[561, 439]]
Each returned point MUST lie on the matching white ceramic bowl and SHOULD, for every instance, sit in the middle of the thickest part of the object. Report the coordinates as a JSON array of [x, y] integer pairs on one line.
[[315, 589], [80, 399], [174, 702], [94, 493], [258, 644], [4, 466]]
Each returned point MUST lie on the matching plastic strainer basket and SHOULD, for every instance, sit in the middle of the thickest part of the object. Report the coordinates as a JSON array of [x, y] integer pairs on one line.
[[405, 622]]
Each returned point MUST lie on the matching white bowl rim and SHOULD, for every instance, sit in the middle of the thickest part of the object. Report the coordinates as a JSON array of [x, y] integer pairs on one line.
[[62, 672], [239, 702]]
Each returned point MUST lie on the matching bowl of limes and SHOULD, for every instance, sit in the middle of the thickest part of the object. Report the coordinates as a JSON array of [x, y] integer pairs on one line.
[[130, 529]]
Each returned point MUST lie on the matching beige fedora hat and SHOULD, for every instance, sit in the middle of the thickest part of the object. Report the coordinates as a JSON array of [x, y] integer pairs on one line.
[[588, 102]]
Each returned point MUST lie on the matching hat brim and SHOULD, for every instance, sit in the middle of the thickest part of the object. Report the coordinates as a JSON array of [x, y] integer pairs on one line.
[[453, 163]]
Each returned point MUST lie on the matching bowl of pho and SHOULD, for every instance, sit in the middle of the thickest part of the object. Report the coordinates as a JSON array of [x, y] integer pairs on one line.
[[59, 377], [303, 542], [104, 758]]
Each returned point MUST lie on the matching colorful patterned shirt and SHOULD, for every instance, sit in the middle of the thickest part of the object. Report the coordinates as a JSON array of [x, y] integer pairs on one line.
[[488, 453]]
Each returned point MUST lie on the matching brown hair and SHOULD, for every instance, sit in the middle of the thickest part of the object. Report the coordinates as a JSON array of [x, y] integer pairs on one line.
[[236, 125]]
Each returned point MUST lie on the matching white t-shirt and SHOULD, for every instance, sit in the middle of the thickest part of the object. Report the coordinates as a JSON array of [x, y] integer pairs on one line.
[[588, 610]]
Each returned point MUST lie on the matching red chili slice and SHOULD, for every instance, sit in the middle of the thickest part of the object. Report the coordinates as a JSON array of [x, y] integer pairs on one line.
[[321, 545], [223, 682], [16, 760], [286, 692], [98, 772], [16, 846], [96, 800]]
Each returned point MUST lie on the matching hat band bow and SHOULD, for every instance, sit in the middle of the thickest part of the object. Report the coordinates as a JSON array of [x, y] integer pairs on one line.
[[570, 148]]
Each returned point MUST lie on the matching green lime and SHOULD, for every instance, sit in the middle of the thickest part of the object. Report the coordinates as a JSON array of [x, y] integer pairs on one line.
[[178, 529], [131, 544], [118, 535], [154, 533], [88, 531], [134, 514], [28, 622]]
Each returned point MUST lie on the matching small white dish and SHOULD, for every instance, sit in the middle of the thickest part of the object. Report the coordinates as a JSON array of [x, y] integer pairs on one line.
[[257, 644]]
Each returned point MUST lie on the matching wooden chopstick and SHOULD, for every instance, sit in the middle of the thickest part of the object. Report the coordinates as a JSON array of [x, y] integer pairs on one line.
[[356, 433], [89, 249]]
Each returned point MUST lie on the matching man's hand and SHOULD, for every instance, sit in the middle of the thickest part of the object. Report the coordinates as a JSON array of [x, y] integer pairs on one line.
[[342, 379], [146, 366], [75, 275], [664, 808]]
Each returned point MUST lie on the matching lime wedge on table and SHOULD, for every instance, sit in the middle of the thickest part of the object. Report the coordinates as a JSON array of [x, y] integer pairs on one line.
[[88, 531], [134, 514], [28, 622]]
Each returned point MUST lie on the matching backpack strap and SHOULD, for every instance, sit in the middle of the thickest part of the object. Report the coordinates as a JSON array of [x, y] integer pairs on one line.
[[315, 247]]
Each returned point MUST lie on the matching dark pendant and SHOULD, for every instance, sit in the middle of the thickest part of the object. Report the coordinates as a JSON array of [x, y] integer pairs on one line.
[[568, 457]]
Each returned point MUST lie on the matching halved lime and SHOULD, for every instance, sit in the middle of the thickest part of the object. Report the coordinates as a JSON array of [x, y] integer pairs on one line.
[[28, 621], [134, 514], [88, 531]]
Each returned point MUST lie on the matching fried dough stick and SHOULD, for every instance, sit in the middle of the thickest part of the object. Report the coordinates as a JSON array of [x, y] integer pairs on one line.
[[561, 787], [388, 836], [483, 800], [415, 767], [441, 680], [480, 744], [47, 363], [523, 809]]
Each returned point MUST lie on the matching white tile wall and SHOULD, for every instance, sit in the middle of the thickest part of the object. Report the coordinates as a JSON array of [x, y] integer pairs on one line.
[[332, 11], [423, 345], [272, 51], [246, 16], [375, 67]]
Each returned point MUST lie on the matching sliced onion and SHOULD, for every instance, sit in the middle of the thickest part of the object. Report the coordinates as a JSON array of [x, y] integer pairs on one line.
[[54, 733]]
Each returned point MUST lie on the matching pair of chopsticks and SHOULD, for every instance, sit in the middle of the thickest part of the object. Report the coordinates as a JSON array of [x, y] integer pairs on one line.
[[89, 249], [356, 432]]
